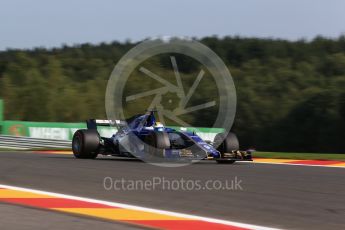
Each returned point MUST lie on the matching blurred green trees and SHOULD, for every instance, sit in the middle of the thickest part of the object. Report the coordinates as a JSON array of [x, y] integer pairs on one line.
[[291, 95]]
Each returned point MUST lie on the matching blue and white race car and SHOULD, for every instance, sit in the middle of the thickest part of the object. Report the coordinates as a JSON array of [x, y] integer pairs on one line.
[[143, 137]]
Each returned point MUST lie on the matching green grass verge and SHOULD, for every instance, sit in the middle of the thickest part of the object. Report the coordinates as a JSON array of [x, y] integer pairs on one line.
[[300, 156], [5, 149]]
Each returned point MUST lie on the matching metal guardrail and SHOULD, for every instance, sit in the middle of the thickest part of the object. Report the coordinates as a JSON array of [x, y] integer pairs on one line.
[[15, 142]]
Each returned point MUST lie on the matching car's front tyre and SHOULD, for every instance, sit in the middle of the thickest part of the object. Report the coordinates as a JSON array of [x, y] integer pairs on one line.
[[156, 142], [226, 143]]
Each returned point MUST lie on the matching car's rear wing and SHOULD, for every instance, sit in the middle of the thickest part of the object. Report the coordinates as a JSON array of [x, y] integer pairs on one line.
[[93, 123]]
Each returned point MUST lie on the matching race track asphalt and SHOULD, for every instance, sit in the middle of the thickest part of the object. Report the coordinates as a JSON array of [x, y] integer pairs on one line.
[[281, 196]]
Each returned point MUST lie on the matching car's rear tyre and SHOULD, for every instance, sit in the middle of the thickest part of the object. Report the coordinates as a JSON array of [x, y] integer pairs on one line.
[[85, 144]]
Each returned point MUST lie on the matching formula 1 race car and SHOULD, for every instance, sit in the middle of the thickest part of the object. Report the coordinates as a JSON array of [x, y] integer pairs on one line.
[[143, 137]]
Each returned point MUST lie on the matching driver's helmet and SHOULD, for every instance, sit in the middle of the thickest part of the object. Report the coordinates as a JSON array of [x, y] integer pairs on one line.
[[159, 126]]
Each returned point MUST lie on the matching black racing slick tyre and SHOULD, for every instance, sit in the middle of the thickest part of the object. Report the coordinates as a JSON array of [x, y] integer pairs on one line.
[[226, 143], [162, 140], [85, 143], [158, 140]]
